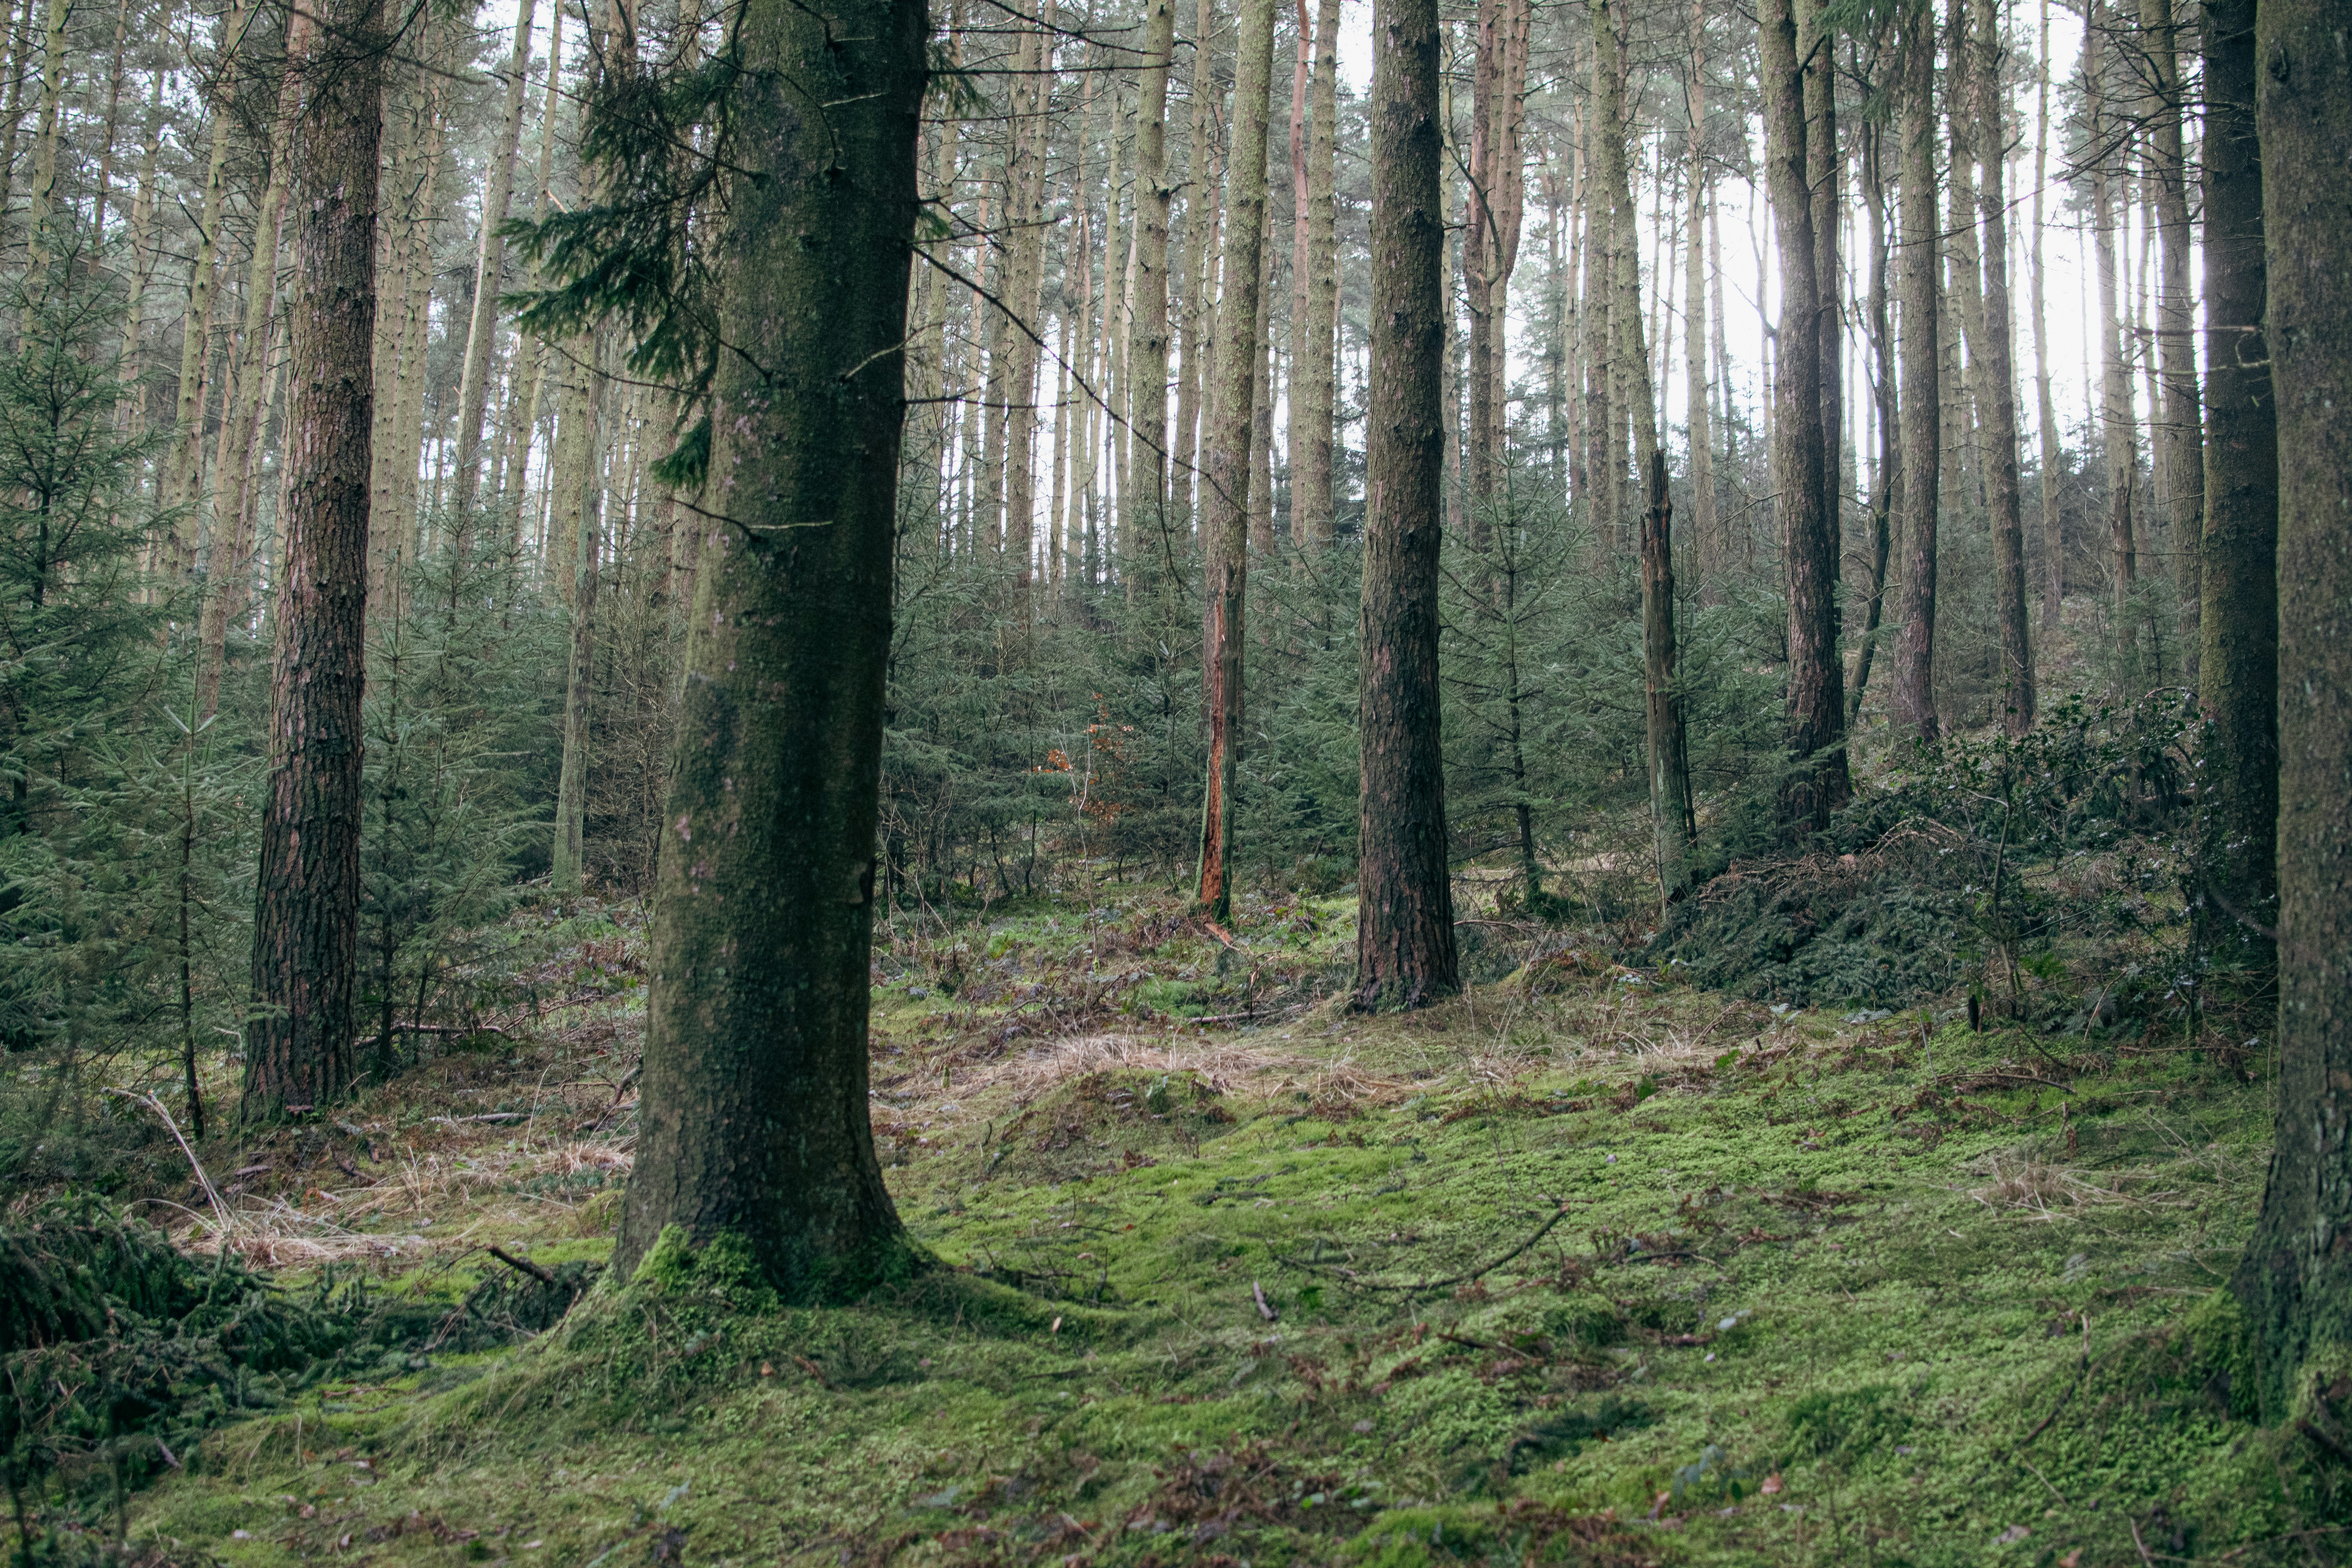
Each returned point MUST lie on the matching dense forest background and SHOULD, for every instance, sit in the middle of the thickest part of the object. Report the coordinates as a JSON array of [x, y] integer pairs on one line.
[[534, 493]]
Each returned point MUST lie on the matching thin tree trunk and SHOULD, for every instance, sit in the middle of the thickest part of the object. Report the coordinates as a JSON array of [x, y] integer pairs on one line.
[[489, 267], [1698, 392], [307, 894], [2053, 540], [1913, 708], [531, 363], [1673, 826], [2182, 442], [1889, 466], [1201, 225], [1151, 540], [1315, 374], [1818, 782], [2115, 424], [40, 231], [1612, 128], [1991, 346], [1227, 503], [1404, 902]]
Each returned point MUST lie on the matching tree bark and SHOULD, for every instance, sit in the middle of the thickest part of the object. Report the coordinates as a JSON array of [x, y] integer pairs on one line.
[[2238, 672], [1150, 540], [1700, 393], [1673, 826], [1404, 901], [2116, 422], [2296, 1278], [755, 1127], [2181, 444], [489, 267], [1227, 503], [1991, 345], [1315, 377], [297, 1037], [1818, 782], [1914, 697], [1888, 477], [2053, 540], [1628, 349]]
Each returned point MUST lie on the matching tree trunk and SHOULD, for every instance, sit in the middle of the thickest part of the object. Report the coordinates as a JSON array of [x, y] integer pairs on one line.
[[1315, 376], [1025, 180], [1825, 179], [755, 1128], [1888, 480], [1700, 394], [2053, 542], [40, 230], [1990, 345], [2239, 673], [2296, 1278], [489, 267], [307, 893], [531, 362], [1151, 545], [1404, 900], [2116, 423], [579, 481], [1672, 824], [2182, 443], [1226, 505], [1818, 782], [1628, 349], [1913, 699], [1201, 225]]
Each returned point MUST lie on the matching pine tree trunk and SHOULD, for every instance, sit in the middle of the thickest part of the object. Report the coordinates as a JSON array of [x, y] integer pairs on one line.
[[40, 222], [1700, 394], [1629, 351], [1673, 826], [579, 482], [1818, 782], [755, 1134], [2053, 457], [1226, 505], [1315, 364], [1913, 706], [2296, 1278], [2116, 423], [2182, 442], [298, 1043], [531, 363], [1201, 221], [1150, 536], [1825, 179], [2238, 675], [489, 267], [1888, 478], [1991, 344], [1025, 275], [233, 481], [1404, 901]]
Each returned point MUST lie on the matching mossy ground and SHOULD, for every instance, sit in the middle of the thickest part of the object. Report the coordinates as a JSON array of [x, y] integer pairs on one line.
[[1809, 1287]]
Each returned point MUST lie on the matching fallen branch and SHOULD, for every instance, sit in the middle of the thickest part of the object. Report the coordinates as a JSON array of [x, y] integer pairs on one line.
[[1259, 1292], [525, 1265], [1488, 1267]]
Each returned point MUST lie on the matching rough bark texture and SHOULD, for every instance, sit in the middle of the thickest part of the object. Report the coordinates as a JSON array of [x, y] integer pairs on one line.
[[1672, 824], [1226, 503], [2238, 674], [1404, 899], [755, 1115], [2297, 1280], [298, 1041], [1888, 468], [1825, 178], [1991, 343], [2181, 443], [1628, 351], [1147, 497], [1818, 782], [1914, 697], [1315, 389]]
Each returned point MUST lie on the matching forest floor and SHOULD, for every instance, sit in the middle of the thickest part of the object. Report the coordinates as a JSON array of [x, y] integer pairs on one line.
[[1584, 1266]]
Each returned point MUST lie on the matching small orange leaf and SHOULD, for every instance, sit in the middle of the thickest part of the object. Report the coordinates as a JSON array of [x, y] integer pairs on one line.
[[2071, 1560], [1771, 1484]]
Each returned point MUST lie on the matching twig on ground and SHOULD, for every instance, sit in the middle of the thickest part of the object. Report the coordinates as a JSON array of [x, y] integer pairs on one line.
[[524, 1264], [220, 1209], [1264, 1311]]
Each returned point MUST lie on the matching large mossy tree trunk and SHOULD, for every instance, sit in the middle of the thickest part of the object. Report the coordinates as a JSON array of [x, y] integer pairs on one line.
[[298, 1039], [2296, 1280], [1818, 782], [2238, 626], [755, 1130], [1404, 899]]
